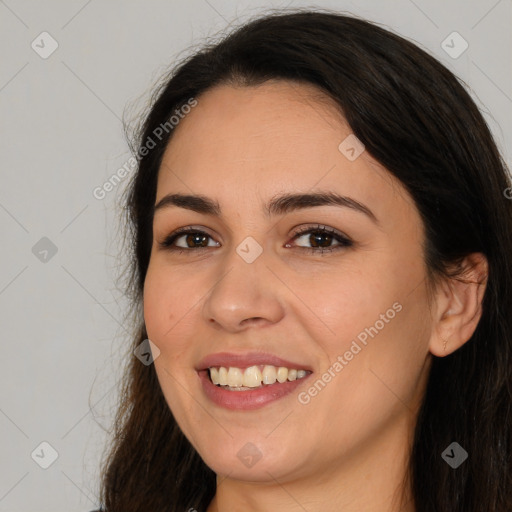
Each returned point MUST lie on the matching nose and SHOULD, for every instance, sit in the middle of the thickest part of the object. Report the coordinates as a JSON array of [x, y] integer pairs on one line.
[[246, 294]]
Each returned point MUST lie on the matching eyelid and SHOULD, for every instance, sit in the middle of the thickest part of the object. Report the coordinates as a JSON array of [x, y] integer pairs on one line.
[[343, 240], [168, 239]]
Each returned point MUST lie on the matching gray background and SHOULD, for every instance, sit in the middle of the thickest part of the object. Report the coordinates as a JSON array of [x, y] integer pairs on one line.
[[61, 136]]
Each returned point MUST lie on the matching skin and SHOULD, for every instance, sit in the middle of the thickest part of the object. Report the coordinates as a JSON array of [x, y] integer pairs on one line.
[[347, 448]]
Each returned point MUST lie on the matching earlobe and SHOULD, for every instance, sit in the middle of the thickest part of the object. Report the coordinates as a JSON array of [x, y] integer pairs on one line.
[[459, 306]]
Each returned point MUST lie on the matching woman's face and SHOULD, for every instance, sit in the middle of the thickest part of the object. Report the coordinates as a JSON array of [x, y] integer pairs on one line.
[[247, 291]]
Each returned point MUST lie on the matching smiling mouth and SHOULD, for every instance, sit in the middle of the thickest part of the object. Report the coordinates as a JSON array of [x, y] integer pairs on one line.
[[253, 377]]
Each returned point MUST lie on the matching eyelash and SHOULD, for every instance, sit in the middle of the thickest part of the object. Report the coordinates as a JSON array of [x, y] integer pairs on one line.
[[343, 240]]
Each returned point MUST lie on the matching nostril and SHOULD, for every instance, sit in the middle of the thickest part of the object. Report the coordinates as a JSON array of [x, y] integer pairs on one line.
[[254, 319]]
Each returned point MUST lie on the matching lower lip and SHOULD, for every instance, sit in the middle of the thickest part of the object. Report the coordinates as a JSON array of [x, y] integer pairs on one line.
[[247, 400]]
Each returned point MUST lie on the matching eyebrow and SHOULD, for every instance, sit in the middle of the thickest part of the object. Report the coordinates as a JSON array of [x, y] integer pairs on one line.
[[278, 205]]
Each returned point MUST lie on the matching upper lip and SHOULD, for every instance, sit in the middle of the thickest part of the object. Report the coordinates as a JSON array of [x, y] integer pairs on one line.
[[247, 359]]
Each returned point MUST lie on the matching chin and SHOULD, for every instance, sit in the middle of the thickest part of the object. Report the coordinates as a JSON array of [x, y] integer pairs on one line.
[[259, 472], [244, 460]]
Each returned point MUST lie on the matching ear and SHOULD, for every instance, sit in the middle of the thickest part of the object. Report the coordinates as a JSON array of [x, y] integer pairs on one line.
[[459, 306]]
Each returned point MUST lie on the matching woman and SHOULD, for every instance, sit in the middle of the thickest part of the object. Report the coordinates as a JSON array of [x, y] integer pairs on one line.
[[320, 237]]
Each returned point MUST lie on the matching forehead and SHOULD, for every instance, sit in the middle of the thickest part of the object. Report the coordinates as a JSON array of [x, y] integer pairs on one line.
[[279, 136], [232, 123]]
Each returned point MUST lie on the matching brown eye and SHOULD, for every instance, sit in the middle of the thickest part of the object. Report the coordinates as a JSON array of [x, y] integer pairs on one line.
[[193, 239], [321, 237]]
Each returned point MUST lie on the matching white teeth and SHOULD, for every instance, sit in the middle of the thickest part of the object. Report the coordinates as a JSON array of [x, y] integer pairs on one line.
[[282, 374], [269, 374], [214, 375], [253, 376], [235, 377], [223, 376]]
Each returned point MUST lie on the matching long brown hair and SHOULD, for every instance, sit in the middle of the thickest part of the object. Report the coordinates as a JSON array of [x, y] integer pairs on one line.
[[415, 118]]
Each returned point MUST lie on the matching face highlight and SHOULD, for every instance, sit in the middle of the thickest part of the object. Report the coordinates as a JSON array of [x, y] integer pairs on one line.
[[335, 287]]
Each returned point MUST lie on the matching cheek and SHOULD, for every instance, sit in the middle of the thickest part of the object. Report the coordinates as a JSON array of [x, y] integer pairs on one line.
[[165, 309], [348, 301], [153, 304], [376, 381], [160, 305], [375, 323], [382, 379], [402, 349], [169, 309]]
